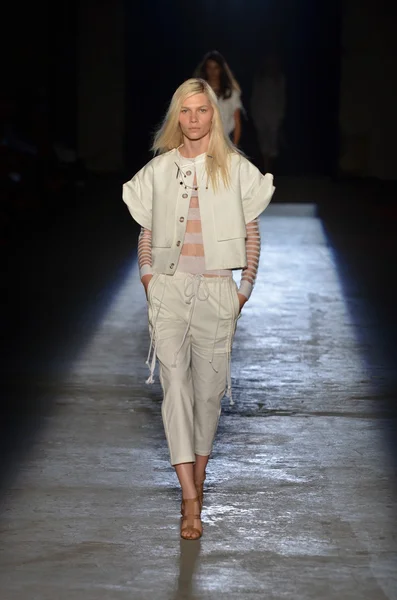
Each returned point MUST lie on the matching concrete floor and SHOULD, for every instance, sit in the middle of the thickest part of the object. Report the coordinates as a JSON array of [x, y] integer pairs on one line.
[[300, 501]]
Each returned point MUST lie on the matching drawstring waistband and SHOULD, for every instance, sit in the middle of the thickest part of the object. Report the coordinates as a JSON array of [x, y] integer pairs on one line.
[[195, 288]]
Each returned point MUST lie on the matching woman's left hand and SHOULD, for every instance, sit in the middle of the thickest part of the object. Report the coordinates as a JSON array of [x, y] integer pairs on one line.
[[242, 300]]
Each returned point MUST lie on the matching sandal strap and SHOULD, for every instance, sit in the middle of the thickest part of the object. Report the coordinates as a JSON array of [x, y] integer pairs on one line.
[[199, 483], [191, 517], [190, 509], [189, 502]]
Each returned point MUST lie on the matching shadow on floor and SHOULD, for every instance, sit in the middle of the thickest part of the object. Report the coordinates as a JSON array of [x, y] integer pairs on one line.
[[60, 273], [359, 219]]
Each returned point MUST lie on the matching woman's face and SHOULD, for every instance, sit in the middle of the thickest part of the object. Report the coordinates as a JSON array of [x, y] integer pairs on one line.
[[195, 117], [212, 70]]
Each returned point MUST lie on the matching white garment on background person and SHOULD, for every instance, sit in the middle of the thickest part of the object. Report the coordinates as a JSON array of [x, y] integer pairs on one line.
[[227, 108]]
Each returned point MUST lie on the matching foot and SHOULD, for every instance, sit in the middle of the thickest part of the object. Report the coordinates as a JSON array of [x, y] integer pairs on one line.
[[191, 527]]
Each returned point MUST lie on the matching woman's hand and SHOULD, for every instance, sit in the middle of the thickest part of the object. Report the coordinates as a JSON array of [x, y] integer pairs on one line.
[[145, 282], [242, 300]]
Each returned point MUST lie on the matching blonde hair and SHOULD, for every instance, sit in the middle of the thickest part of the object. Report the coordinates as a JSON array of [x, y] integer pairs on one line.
[[169, 135]]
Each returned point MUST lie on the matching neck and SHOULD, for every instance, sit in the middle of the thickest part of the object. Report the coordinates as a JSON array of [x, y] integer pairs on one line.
[[215, 83], [193, 148]]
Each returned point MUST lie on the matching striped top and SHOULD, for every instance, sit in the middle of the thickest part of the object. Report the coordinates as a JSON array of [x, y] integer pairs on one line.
[[192, 259]]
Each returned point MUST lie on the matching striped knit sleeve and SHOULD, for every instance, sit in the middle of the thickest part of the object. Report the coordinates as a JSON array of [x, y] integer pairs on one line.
[[145, 252], [253, 249]]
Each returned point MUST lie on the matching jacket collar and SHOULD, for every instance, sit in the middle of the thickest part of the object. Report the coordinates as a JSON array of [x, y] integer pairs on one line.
[[182, 161]]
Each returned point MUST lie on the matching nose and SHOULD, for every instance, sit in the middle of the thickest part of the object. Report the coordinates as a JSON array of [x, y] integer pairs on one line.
[[193, 117]]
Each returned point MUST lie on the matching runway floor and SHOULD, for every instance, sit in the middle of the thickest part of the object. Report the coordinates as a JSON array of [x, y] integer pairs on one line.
[[300, 500]]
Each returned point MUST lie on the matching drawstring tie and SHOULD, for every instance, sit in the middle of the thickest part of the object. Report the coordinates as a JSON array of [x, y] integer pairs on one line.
[[196, 288], [152, 363], [228, 392]]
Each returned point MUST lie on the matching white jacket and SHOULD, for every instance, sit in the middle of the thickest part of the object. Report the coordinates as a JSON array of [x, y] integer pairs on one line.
[[158, 200]]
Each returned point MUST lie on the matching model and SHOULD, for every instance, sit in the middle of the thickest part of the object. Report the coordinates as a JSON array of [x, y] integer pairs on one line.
[[197, 203]]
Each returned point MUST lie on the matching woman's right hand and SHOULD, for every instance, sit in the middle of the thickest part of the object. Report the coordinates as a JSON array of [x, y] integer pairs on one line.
[[145, 282], [242, 300]]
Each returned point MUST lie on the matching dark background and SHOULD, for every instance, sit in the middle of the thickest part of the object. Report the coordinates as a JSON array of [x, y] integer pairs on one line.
[[46, 54], [96, 77], [305, 34]]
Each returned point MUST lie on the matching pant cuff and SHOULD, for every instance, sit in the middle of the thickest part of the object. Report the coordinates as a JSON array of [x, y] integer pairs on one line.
[[203, 452], [184, 459]]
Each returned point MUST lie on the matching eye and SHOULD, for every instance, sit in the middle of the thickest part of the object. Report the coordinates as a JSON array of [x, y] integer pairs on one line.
[[184, 110], [203, 110]]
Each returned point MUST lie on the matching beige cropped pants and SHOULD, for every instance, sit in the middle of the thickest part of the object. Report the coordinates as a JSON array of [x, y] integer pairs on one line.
[[192, 320]]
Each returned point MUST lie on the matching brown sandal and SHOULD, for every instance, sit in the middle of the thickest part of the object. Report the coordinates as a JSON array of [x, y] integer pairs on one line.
[[199, 485], [191, 513], [200, 490]]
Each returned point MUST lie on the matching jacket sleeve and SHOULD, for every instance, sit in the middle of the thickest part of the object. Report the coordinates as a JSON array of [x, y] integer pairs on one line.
[[138, 196], [256, 190]]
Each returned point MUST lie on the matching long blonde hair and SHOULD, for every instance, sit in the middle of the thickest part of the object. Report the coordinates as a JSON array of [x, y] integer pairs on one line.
[[169, 135]]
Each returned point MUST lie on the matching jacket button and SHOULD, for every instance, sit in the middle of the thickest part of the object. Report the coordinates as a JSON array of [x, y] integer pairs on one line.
[[178, 243], [172, 265], [184, 195], [188, 172], [181, 219]]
